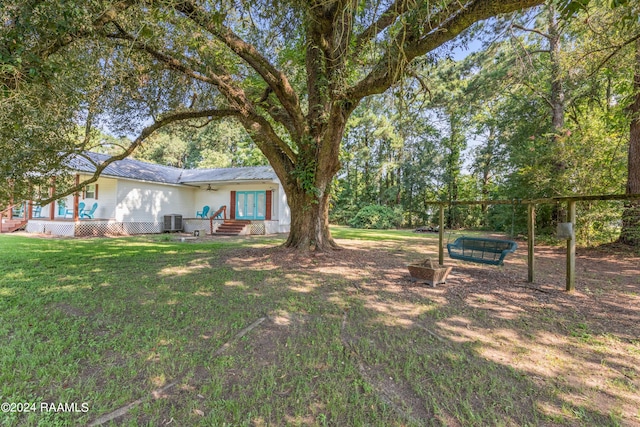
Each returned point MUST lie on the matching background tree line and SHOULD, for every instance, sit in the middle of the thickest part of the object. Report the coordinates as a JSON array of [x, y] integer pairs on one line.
[[543, 109]]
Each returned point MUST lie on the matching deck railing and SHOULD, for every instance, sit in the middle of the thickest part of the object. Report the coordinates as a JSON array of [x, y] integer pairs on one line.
[[9, 211], [11, 224]]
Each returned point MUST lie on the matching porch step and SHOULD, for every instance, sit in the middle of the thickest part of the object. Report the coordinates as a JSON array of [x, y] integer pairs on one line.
[[231, 227], [11, 225]]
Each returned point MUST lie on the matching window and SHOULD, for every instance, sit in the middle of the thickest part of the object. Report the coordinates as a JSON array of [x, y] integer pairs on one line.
[[91, 191]]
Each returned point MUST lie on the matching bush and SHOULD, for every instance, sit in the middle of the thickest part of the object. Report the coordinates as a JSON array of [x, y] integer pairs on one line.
[[376, 217], [342, 215]]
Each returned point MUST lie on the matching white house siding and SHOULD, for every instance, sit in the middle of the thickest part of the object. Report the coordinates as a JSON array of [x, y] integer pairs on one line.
[[148, 202], [274, 227], [106, 198], [213, 199], [284, 212], [222, 196]]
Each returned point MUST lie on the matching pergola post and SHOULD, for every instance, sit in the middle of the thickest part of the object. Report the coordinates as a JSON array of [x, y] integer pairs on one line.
[[10, 182], [571, 247], [76, 200], [531, 236], [441, 236], [52, 205]]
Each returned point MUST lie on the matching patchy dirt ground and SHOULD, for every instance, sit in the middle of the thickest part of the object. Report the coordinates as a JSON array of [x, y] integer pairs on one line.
[[582, 348]]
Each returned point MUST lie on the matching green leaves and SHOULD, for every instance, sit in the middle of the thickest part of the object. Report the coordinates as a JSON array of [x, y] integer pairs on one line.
[[569, 8], [305, 174], [377, 217], [618, 3]]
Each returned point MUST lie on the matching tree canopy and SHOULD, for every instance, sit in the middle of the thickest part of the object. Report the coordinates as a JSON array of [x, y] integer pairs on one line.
[[289, 73]]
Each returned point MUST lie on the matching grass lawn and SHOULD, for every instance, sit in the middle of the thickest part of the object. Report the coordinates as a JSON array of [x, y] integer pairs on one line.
[[159, 327]]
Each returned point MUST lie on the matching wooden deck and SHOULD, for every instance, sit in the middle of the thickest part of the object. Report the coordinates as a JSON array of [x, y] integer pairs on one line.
[[11, 225]]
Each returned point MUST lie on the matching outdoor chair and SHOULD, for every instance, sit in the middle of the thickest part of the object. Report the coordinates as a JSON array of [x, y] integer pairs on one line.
[[80, 209], [89, 214], [203, 213], [37, 211], [18, 211]]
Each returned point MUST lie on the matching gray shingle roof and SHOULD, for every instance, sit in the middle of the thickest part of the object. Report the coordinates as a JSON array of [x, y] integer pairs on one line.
[[143, 171], [255, 173]]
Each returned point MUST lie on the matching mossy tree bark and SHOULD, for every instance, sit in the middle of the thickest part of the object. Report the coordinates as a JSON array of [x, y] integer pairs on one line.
[[630, 233]]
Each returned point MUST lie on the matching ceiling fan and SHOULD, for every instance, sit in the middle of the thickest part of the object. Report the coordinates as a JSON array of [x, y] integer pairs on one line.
[[209, 188]]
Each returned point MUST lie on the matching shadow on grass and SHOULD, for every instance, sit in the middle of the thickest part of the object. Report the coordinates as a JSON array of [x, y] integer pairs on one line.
[[500, 357], [348, 340]]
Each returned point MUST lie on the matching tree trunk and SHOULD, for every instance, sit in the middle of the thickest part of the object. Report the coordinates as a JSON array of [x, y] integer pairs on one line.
[[309, 222], [557, 97], [487, 167], [453, 168], [309, 195], [630, 233], [557, 100]]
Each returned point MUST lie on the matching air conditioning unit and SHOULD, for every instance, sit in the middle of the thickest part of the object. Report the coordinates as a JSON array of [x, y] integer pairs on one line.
[[173, 222]]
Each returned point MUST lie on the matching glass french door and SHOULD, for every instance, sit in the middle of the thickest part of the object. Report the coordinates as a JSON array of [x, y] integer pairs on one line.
[[251, 204]]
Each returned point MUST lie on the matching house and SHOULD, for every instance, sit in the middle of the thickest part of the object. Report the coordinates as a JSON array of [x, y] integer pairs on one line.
[[135, 197]]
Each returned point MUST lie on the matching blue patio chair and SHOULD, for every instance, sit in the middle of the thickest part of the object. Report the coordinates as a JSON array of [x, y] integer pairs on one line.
[[203, 213], [18, 211], [37, 211], [89, 214], [80, 209]]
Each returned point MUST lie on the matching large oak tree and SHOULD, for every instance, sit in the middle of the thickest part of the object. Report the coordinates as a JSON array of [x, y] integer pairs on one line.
[[289, 72]]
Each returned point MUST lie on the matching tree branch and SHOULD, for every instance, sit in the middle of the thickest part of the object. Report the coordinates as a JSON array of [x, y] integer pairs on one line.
[[616, 49], [388, 17], [98, 24], [10, 80], [278, 114], [260, 129], [411, 44], [165, 58], [146, 133], [541, 95], [341, 36], [531, 30], [281, 157], [532, 52], [276, 79]]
